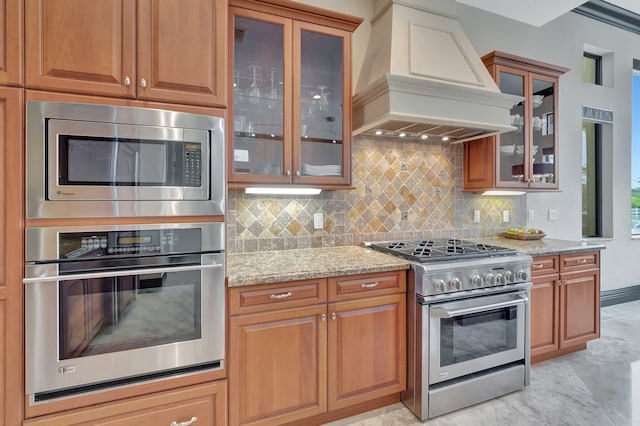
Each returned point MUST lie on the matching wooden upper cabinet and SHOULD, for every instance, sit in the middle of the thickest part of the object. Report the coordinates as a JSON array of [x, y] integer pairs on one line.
[[81, 46], [181, 51], [289, 94], [526, 158], [11, 42], [173, 51]]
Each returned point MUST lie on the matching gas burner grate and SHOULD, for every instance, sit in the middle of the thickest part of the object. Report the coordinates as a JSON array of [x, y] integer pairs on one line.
[[442, 249]]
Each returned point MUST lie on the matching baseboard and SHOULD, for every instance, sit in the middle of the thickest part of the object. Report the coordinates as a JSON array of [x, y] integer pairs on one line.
[[619, 295]]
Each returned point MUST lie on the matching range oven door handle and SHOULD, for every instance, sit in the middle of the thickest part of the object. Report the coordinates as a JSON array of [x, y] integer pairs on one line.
[[456, 309], [120, 273]]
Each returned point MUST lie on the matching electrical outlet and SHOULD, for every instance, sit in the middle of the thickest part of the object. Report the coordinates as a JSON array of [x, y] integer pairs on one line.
[[552, 214], [532, 216], [505, 216], [476, 216], [318, 221]]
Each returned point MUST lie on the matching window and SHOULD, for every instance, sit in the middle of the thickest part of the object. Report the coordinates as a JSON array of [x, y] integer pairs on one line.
[[592, 68], [635, 149], [591, 179]]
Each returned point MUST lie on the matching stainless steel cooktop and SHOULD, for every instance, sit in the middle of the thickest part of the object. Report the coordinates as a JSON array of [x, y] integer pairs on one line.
[[440, 249]]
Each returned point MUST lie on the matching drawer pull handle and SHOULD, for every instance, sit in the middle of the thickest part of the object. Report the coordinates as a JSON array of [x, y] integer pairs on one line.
[[582, 260], [538, 266], [370, 285], [187, 423], [282, 295]]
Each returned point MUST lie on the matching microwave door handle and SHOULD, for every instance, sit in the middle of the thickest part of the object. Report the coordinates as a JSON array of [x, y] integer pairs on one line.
[[451, 312], [120, 273]]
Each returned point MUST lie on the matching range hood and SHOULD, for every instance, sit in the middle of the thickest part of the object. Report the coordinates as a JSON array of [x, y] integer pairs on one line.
[[422, 79]]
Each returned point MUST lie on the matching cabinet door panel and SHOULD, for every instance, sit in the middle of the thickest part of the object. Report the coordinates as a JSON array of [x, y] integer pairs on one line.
[[580, 321], [11, 42], [207, 402], [277, 367], [181, 51], [322, 105], [366, 349], [544, 315], [82, 46], [11, 255]]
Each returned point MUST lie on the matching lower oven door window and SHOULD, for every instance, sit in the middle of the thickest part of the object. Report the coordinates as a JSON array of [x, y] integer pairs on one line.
[[476, 334], [90, 330], [104, 315]]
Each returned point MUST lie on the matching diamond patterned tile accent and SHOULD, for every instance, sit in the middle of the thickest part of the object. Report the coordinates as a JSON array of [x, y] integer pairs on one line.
[[391, 178]]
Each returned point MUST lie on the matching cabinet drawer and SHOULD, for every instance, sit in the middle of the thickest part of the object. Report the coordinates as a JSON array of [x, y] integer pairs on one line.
[[579, 261], [243, 300], [356, 286], [207, 403], [544, 265]]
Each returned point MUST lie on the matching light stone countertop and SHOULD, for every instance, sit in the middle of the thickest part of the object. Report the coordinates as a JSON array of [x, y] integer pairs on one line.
[[543, 247], [290, 265]]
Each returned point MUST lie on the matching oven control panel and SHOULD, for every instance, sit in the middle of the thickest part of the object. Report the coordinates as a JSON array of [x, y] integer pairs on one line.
[[76, 245], [448, 277]]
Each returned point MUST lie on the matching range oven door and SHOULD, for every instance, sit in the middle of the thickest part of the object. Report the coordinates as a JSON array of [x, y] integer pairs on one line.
[[91, 329], [473, 335]]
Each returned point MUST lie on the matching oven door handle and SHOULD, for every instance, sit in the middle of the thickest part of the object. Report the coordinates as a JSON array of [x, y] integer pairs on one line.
[[451, 310], [120, 273]]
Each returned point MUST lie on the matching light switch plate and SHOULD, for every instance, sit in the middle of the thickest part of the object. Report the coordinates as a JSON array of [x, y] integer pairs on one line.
[[553, 214], [476, 216], [318, 221], [505, 216], [532, 215]]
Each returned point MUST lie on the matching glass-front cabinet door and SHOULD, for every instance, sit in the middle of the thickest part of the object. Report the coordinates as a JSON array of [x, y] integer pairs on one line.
[[290, 101], [543, 136], [527, 156], [260, 98], [321, 144], [512, 169]]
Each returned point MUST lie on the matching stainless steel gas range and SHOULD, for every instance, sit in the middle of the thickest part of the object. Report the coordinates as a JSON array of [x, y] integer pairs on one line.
[[468, 327]]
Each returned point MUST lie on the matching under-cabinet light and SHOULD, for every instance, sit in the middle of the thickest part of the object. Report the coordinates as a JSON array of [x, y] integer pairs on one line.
[[503, 193], [282, 191]]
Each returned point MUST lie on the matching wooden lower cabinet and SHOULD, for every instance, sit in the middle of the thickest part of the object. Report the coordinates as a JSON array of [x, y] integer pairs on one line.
[[206, 403], [289, 362], [277, 367], [565, 304], [367, 349]]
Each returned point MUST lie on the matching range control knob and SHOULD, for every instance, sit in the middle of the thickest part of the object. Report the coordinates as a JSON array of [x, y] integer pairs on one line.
[[489, 279], [455, 284], [522, 275], [438, 285], [476, 281], [499, 279], [508, 277]]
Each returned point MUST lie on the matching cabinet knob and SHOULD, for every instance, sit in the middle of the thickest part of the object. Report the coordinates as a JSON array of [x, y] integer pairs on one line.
[[143, 83], [333, 316], [288, 172], [127, 81], [186, 423], [324, 317], [297, 172]]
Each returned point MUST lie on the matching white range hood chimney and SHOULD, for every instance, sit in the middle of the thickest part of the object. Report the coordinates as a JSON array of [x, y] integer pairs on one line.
[[421, 78]]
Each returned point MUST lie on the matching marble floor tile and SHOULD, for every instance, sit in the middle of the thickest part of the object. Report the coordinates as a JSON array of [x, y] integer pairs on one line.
[[596, 387]]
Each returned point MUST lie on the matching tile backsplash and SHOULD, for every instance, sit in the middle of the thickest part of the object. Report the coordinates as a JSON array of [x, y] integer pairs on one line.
[[402, 190]]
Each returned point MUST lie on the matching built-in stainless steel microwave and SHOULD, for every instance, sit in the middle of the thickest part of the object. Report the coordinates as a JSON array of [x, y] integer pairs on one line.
[[86, 160]]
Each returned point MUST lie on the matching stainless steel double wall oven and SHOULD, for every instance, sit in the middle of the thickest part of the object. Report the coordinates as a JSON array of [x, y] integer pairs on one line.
[[114, 304]]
